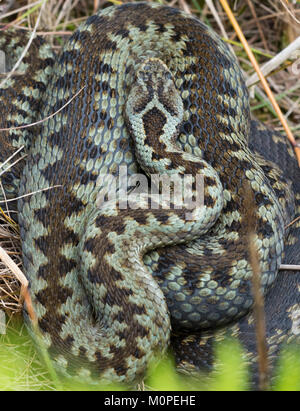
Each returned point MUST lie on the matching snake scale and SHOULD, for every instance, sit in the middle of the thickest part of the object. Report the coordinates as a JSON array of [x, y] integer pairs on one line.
[[152, 89]]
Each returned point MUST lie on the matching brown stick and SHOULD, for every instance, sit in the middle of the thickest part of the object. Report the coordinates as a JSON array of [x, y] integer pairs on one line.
[[249, 222], [259, 317]]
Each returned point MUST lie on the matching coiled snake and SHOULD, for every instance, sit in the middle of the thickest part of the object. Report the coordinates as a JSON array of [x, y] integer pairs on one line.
[[154, 90]]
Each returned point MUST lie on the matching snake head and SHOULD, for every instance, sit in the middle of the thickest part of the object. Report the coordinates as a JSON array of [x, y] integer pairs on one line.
[[154, 86]]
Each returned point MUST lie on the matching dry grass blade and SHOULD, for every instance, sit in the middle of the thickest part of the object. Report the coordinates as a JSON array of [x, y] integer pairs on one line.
[[10, 286], [290, 267], [29, 194], [259, 315], [13, 267], [11, 165], [17, 64], [214, 12], [18, 10], [275, 61], [8, 160], [185, 7], [262, 78], [289, 11], [293, 222], [261, 32], [44, 119], [250, 221], [9, 293], [24, 295]]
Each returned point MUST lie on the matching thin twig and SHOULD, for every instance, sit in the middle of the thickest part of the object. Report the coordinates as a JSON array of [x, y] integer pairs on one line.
[[214, 12], [259, 315], [261, 77], [24, 295], [185, 7], [289, 11], [248, 210], [18, 10], [13, 267], [13, 164], [10, 157], [293, 222], [26, 48], [276, 61], [46, 118], [291, 267], [261, 33], [29, 194]]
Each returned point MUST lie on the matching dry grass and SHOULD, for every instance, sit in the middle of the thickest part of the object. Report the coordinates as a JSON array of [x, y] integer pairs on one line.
[[9, 284], [268, 26]]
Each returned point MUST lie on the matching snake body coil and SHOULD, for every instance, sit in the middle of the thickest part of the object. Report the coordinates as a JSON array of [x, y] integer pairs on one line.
[[153, 89]]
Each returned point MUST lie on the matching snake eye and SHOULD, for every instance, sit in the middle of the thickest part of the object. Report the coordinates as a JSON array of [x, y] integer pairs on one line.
[[144, 76]]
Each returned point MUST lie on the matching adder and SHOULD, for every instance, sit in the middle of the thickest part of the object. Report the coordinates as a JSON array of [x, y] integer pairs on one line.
[[152, 89]]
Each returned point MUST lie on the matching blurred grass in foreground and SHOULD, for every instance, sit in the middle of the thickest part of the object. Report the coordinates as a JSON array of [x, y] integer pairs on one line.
[[288, 369], [21, 369]]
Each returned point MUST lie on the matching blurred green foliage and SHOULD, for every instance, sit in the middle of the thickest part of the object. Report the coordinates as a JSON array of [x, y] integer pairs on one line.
[[21, 369]]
